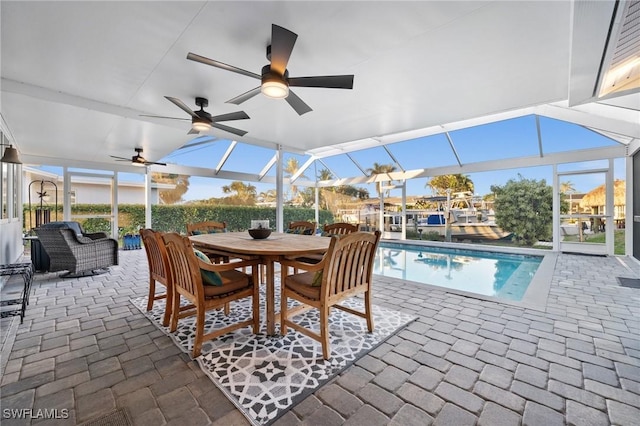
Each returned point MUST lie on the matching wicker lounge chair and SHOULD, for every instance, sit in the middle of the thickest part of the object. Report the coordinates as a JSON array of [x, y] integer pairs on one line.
[[78, 254]]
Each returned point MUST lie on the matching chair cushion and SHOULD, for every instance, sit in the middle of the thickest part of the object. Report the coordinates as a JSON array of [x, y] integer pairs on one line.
[[210, 231], [209, 278], [300, 231], [303, 284], [311, 258], [231, 281], [75, 226]]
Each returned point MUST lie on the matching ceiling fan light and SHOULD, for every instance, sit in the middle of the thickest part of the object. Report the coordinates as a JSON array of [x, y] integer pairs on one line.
[[138, 163], [201, 126], [275, 89]]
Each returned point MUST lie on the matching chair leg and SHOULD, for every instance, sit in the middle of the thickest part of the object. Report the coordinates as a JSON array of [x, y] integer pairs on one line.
[[368, 313], [175, 311], [197, 343], [255, 302], [152, 293], [283, 304], [324, 331], [168, 308], [227, 308]]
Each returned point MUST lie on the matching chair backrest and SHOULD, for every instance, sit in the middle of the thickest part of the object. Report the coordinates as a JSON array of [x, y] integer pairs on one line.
[[183, 265], [349, 264], [206, 227], [75, 226], [156, 255], [302, 227], [339, 228]]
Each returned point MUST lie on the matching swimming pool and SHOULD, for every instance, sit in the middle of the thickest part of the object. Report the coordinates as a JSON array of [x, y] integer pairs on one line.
[[502, 275]]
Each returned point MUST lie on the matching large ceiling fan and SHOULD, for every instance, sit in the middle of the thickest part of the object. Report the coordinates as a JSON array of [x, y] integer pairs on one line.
[[138, 159], [275, 76], [201, 120]]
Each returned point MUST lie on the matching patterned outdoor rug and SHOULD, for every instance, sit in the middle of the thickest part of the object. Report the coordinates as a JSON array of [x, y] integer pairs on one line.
[[266, 376]]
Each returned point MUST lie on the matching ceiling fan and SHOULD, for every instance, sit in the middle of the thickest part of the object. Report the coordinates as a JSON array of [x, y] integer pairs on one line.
[[138, 159], [202, 121], [275, 76]]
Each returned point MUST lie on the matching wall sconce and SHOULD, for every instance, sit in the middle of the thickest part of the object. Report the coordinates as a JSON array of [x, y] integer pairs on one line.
[[10, 155]]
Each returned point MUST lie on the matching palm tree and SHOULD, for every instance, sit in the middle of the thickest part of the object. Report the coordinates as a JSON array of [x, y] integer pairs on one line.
[[244, 193], [567, 187], [379, 169], [291, 168], [455, 182]]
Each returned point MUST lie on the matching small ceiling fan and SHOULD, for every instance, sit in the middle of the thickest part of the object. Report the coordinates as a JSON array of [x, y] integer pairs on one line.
[[201, 120], [138, 159], [275, 76]]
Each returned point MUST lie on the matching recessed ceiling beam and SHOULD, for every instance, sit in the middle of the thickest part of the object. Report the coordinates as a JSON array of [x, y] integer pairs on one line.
[[268, 167], [301, 170], [453, 148], [356, 163], [225, 157]]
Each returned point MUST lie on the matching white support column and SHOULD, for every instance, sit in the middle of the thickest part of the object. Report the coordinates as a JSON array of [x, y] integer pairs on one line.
[[403, 236], [317, 204], [66, 202], [381, 215], [555, 209], [628, 208], [147, 200], [114, 205], [279, 191], [610, 225]]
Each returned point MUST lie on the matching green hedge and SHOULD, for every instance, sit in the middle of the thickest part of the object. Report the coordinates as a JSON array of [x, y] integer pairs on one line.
[[131, 217]]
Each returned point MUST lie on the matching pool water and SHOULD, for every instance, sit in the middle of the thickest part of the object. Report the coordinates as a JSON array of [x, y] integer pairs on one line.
[[506, 276]]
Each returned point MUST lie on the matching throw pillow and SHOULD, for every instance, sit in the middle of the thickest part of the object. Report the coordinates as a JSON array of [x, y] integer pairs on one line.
[[208, 277], [317, 279]]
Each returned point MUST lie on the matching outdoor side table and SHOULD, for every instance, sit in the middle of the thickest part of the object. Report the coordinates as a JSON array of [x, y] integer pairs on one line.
[[26, 270]]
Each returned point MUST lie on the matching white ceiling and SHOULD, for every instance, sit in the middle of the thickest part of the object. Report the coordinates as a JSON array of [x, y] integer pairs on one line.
[[77, 75]]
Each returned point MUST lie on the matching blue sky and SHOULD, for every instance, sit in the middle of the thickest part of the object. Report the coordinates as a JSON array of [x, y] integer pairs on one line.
[[501, 140]]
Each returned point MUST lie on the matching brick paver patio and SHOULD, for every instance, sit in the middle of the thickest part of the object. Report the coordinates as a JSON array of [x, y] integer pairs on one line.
[[84, 348]]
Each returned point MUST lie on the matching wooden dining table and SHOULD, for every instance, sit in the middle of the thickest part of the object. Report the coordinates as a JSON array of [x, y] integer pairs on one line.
[[269, 250]]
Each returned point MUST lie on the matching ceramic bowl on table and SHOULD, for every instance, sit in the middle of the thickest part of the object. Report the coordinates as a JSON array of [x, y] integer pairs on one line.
[[260, 233]]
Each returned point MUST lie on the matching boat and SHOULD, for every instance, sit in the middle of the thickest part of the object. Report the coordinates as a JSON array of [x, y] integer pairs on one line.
[[469, 217]]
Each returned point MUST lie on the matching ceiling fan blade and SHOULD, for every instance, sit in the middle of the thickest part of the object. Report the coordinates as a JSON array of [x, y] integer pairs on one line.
[[150, 163], [120, 158], [244, 97], [162, 116], [177, 102], [297, 103], [240, 115], [193, 131], [327, 81], [229, 129], [282, 42], [221, 65]]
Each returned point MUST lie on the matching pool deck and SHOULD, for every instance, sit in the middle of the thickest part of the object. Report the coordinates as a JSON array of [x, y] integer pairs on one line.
[[572, 359]]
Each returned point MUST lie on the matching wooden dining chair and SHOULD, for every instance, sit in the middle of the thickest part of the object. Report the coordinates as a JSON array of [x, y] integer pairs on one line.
[[159, 271], [302, 227], [338, 228], [187, 273], [344, 272], [209, 227]]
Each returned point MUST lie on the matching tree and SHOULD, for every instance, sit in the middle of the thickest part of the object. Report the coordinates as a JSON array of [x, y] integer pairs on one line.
[[566, 187], [524, 207], [380, 169], [456, 183], [291, 168], [268, 196], [241, 193], [171, 196]]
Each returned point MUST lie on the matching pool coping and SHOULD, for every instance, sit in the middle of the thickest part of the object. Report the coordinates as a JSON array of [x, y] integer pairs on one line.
[[537, 292]]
